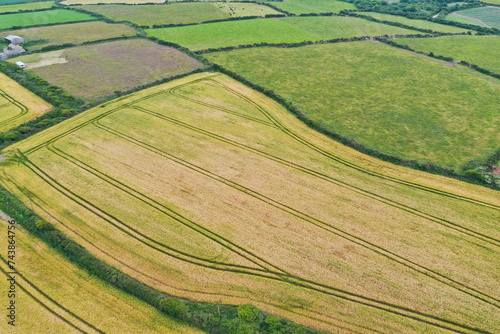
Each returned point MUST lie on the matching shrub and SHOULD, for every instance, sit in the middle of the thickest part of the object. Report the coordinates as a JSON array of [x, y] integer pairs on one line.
[[42, 225], [173, 307]]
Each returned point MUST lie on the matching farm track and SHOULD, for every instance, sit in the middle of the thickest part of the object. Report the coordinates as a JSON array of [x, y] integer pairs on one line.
[[278, 274], [23, 109], [50, 304]]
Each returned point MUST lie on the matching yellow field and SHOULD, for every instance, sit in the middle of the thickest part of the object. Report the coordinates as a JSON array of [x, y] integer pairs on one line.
[[17, 104], [54, 296], [206, 189]]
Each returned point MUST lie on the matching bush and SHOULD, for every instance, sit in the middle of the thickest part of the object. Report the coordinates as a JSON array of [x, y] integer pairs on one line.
[[173, 307], [474, 175], [42, 225]]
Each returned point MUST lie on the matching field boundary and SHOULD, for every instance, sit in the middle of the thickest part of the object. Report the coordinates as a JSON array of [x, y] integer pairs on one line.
[[446, 58], [414, 164], [308, 284], [295, 45]]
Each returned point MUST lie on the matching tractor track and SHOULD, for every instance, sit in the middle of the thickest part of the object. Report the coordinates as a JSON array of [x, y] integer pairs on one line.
[[48, 308], [305, 283], [23, 109], [278, 274], [36, 198]]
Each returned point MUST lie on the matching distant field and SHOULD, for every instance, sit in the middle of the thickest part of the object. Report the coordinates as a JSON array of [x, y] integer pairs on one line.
[[109, 67], [422, 24], [480, 50], [57, 297], [10, 2], [178, 13], [312, 6], [382, 97], [484, 16], [17, 104], [244, 9], [133, 2], [94, 2], [208, 190], [283, 30], [44, 17], [26, 6], [40, 37]]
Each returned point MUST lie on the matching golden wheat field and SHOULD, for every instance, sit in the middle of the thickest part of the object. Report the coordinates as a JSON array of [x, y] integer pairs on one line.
[[17, 104], [54, 296], [206, 189]]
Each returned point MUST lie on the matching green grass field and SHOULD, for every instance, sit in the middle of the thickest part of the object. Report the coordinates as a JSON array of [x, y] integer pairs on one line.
[[17, 104], [43, 17], [178, 13], [206, 189], [10, 2], [422, 24], [312, 6], [108, 67], [55, 296], [26, 6], [480, 50], [283, 30], [484, 16], [39, 37], [387, 99]]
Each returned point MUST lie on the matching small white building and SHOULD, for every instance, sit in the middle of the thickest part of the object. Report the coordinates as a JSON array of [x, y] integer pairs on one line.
[[16, 40]]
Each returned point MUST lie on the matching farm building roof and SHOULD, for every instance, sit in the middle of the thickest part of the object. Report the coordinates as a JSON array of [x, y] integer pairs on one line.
[[11, 50], [16, 40]]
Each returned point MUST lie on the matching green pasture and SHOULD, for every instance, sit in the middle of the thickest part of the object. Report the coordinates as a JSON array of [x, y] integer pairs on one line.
[[39, 37], [312, 6], [421, 24], [484, 16], [178, 13], [42, 18], [384, 98], [480, 50], [26, 6], [283, 30]]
